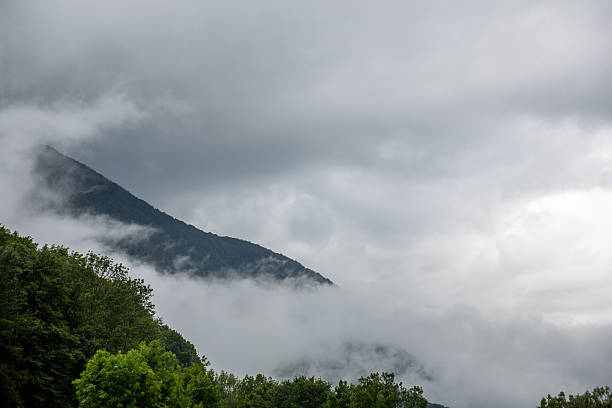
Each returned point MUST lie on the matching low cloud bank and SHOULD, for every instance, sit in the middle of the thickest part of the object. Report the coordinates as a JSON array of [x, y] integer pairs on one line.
[[24, 128], [462, 356]]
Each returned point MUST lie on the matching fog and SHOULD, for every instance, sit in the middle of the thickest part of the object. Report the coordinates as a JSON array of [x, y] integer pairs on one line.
[[462, 356], [446, 165]]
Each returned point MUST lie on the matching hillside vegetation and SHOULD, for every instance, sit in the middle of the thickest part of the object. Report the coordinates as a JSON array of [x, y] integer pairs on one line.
[[58, 308]]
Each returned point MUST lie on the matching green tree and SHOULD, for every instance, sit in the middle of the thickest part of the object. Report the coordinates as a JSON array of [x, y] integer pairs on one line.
[[119, 313], [146, 377], [379, 390], [301, 392], [600, 397], [56, 309], [229, 387], [257, 391], [14, 321], [174, 342], [200, 387], [340, 397], [41, 307]]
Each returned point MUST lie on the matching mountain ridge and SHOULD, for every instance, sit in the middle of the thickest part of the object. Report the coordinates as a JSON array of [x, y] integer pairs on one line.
[[174, 246]]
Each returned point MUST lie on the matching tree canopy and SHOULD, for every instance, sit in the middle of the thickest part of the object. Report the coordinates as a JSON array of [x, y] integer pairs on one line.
[[149, 376], [57, 309], [600, 397]]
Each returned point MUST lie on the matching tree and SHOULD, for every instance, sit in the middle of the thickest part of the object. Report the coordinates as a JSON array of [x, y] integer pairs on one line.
[[257, 392], [229, 387], [600, 397], [56, 309], [301, 392], [341, 397], [141, 378], [41, 307], [119, 314], [200, 386], [174, 342], [379, 390]]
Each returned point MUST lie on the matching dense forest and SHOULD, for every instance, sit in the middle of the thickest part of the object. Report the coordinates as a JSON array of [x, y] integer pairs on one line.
[[76, 330], [58, 309]]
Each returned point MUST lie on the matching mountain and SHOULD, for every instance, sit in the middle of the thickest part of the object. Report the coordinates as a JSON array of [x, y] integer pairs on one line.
[[354, 359], [173, 246]]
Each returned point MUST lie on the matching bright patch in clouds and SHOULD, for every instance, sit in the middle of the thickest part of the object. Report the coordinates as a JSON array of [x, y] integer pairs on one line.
[[557, 247]]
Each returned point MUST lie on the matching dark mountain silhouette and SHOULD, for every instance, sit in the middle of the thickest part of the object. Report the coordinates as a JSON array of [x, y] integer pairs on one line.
[[173, 246]]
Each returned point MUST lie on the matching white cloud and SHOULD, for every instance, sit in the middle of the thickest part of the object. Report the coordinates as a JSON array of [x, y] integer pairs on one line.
[[469, 353], [63, 122], [23, 128]]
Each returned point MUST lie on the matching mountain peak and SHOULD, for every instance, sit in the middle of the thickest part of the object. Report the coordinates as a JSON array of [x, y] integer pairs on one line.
[[174, 246]]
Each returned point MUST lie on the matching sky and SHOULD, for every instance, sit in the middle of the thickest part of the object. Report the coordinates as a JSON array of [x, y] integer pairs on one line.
[[447, 164]]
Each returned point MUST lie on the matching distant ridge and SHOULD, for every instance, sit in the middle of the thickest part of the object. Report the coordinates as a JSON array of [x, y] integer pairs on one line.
[[175, 246]]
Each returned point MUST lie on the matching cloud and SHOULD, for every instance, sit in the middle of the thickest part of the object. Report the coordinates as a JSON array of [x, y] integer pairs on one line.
[[278, 89], [452, 158], [23, 129], [464, 356], [63, 122]]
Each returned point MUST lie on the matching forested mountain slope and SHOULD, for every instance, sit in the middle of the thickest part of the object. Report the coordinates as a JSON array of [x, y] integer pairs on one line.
[[174, 246]]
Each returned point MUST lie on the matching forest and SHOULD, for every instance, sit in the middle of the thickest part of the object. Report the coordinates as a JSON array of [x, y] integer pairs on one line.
[[77, 331]]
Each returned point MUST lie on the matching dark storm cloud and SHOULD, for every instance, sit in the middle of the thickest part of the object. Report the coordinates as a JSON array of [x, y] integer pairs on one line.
[[238, 91]]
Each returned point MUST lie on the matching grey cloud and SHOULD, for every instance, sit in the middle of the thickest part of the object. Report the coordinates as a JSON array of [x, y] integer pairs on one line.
[[454, 156], [464, 358], [273, 88]]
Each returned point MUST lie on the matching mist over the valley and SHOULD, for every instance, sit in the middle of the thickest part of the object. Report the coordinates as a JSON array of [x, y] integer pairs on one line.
[[447, 166]]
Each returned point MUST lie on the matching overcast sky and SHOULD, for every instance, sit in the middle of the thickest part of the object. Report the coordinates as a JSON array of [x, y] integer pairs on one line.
[[448, 164]]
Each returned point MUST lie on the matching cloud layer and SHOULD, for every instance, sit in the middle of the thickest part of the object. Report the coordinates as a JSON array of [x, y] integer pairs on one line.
[[448, 165]]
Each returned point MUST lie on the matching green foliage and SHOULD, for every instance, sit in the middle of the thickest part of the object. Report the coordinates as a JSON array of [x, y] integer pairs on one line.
[[256, 392], [379, 390], [145, 377], [174, 342], [229, 388], [301, 392], [264, 392], [200, 387], [600, 397], [341, 397], [42, 310], [142, 377], [57, 309], [118, 309]]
